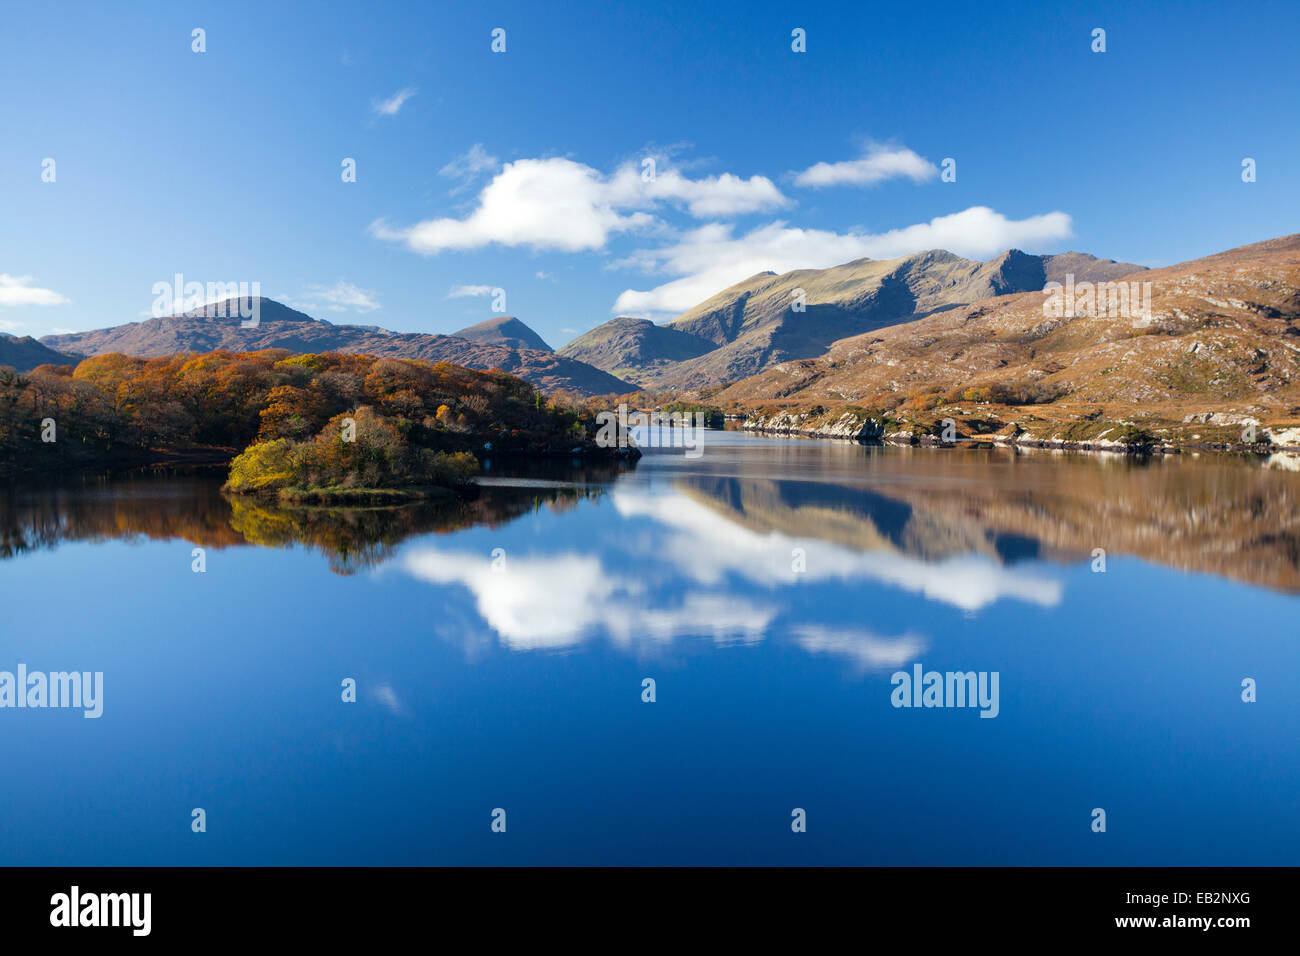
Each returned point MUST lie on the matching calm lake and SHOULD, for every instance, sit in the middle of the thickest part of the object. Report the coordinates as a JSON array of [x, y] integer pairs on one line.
[[770, 589]]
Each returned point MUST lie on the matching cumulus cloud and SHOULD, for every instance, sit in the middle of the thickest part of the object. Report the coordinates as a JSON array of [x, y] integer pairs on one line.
[[18, 290], [564, 205], [877, 165], [341, 297], [394, 103], [724, 195], [710, 258], [469, 291]]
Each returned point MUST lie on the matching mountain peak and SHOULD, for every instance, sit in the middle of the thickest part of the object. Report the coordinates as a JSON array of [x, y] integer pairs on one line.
[[268, 310], [504, 330]]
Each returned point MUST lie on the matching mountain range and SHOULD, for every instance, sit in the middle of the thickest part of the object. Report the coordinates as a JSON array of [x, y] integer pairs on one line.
[[1221, 334], [768, 319], [504, 343], [1222, 338], [738, 332]]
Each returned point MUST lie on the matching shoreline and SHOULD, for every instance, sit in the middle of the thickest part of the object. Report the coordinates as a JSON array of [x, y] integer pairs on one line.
[[869, 433], [214, 457]]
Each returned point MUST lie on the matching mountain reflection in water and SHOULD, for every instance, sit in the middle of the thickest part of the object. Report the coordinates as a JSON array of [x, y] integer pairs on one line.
[[900, 508]]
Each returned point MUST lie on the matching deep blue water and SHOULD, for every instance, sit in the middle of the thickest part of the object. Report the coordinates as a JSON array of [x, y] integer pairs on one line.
[[521, 688]]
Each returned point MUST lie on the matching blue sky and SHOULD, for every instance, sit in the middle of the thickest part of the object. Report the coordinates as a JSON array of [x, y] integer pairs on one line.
[[523, 170]]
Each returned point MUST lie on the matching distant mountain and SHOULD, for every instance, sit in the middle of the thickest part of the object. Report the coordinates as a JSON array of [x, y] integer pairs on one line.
[[636, 347], [504, 330], [282, 327], [26, 353], [757, 323], [1222, 341]]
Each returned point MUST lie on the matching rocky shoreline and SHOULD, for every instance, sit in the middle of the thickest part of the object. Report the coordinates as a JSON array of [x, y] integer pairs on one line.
[[865, 429]]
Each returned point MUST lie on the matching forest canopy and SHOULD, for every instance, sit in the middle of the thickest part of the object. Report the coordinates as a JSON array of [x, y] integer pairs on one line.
[[327, 420]]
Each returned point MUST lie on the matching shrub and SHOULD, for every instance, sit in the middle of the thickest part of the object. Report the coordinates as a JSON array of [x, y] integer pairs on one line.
[[1131, 434], [266, 466], [1027, 393], [440, 468]]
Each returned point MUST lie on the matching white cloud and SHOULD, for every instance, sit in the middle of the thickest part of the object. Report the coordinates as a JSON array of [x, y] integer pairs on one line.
[[724, 195], [469, 291], [561, 204], [466, 168], [18, 290], [710, 258], [341, 297], [879, 163], [390, 106], [543, 203]]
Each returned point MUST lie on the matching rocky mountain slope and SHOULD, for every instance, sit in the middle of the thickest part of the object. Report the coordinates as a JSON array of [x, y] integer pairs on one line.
[[282, 327], [759, 322], [636, 349], [1221, 346]]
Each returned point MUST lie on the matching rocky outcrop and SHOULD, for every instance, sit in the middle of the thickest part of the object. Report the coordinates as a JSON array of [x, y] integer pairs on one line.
[[847, 426], [1120, 437]]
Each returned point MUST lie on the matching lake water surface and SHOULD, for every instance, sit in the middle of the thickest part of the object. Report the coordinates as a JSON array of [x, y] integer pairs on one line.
[[770, 589]]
